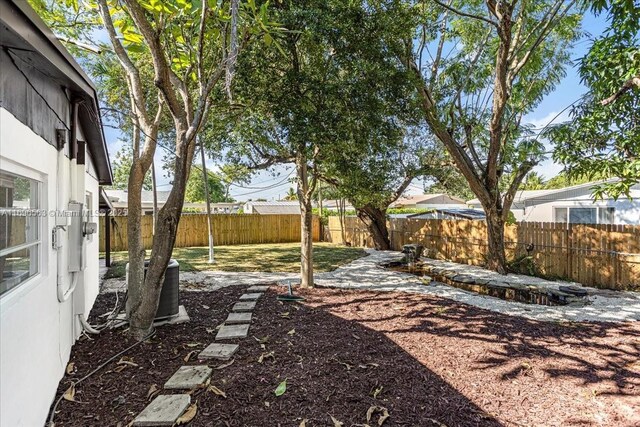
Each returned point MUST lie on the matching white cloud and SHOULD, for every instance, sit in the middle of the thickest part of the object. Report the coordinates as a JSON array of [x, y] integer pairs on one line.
[[553, 117]]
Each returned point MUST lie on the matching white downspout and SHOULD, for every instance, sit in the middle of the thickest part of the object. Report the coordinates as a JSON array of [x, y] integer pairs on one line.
[[63, 177]]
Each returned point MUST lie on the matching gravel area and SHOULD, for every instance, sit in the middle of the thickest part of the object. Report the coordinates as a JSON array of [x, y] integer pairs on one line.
[[366, 274]]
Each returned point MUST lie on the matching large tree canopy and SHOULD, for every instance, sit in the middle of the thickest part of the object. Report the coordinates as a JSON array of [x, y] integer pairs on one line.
[[603, 136], [479, 68]]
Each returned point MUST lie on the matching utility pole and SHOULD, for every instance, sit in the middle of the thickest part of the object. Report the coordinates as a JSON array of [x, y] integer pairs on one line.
[[155, 196], [206, 195]]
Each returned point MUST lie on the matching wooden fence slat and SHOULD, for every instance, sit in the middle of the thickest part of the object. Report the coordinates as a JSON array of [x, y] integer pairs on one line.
[[594, 255], [228, 229]]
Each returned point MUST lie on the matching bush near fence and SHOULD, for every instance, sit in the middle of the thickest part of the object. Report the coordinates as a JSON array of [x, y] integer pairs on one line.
[[604, 256], [231, 229]]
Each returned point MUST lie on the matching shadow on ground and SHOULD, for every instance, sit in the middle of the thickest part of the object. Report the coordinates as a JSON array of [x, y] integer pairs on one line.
[[524, 372], [334, 367]]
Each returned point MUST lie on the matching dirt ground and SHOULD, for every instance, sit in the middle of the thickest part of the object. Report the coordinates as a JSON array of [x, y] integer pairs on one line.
[[424, 361]]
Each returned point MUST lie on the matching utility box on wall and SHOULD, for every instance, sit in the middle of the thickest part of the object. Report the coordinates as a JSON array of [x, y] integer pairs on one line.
[[77, 241]]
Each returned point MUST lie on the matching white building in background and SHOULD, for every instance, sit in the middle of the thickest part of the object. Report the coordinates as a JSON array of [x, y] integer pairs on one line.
[[272, 208], [429, 201], [118, 199], [573, 205], [53, 159]]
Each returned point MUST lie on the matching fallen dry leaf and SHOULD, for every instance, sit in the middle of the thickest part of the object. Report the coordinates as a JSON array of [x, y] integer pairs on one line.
[[189, 355], [70, 368], [336, 423], [224, 365], [291, 332], [153, 391], [215, 390], [70, 394], [377, 392], [188, 415], [193, 344], [265, 356], [285, 314], [384, 414], [262, 340], [303, 423]]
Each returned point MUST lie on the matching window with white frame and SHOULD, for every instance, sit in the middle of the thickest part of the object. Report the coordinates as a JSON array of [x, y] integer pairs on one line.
[[584, 215], [20, 233]]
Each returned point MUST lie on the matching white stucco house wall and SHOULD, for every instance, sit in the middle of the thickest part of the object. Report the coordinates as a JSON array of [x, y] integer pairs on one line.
[[53, 159], [272, 208], [575, 205]]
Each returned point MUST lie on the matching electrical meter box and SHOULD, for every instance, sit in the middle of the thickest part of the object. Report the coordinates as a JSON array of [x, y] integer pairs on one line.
[[77, 241]]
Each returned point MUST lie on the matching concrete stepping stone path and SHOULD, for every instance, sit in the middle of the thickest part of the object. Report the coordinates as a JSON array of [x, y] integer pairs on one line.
[[238, 318], [244, 306], [164, 410], [219, 351], [258, 289], [250, 297], [188, 377], [229, 332]]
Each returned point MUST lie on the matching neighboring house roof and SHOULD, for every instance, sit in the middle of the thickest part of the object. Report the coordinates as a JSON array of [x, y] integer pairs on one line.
[[119, 197], [424, 199], [273, 208], [453, 212], [333, 204], [541, 196], [24, 31], [119, 200]]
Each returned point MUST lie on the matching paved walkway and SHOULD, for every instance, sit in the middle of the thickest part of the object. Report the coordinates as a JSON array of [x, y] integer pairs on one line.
[[365, 273]]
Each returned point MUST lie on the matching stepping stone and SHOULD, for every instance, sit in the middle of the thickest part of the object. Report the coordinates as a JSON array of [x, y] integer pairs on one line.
[[250, 297], [188, 377], [258, 289], [228, 332], [244, 306], [163, 411], [219, 351], [238, 318]]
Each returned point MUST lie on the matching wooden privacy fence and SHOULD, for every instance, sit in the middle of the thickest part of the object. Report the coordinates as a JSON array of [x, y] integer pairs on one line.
[[232, 229], [606, 256]]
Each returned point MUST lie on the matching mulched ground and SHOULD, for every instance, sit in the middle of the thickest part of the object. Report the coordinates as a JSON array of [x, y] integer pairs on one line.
[[428, 361]]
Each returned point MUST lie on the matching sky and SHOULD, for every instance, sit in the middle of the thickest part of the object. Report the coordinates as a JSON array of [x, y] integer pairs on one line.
[[274, 184]]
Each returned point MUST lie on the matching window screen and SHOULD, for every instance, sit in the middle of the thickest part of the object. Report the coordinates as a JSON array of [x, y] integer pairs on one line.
[[20, 234], [561, 215], [606, 215], [582, 215]]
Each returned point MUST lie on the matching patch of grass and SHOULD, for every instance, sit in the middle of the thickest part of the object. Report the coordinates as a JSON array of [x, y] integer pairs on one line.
[[280, 258]]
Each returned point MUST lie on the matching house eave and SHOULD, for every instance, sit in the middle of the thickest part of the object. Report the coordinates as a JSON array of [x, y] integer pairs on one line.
[[37, 40]]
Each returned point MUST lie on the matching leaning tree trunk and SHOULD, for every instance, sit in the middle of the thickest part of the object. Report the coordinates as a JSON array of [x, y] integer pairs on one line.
[[136, 251], [496, 258], [306, 223], [141, 319], [376, 221]]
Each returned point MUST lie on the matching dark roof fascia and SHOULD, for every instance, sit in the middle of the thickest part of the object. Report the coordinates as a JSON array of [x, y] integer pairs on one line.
[[21, 19]]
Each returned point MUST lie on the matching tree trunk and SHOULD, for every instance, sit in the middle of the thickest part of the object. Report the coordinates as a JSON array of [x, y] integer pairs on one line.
[[306, 227], [143, 312], [496, 258], [135, 274], [376, 221]]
